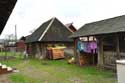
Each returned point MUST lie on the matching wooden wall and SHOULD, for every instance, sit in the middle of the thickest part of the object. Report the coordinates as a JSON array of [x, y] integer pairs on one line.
[[38, 50], [110, 49]]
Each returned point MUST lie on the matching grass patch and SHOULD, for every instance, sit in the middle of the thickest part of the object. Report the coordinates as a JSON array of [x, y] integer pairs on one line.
[[56, 71], [20, 78], [11, 63], [61, 70]]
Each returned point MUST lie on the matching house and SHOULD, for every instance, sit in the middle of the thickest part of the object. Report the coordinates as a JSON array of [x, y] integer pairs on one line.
[[51, 33], [71, 27], [110, 36], [1, 45], [21, 46], [10, 45]]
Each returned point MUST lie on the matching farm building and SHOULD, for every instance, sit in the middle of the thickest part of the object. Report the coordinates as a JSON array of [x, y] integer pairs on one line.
[[1, 45], [110, 37], [71, 27], [51, 33], [21, 46], [10, 45]]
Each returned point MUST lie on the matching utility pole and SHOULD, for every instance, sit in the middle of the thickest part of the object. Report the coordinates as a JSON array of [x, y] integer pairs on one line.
[[15, 39], [15, 33]]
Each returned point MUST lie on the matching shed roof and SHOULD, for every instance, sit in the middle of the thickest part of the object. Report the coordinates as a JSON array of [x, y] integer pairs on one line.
[[51, 31], [112, 25], [6, 7]]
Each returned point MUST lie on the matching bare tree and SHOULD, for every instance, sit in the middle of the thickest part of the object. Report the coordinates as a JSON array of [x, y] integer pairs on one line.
[[9, 40]]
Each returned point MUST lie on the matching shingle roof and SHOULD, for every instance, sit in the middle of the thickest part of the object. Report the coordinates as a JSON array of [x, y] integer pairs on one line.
[[51, 31], [6, 7], [112, 25]]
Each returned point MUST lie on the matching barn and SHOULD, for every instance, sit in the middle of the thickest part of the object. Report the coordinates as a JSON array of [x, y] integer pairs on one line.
[[51, 33], [110, 37]]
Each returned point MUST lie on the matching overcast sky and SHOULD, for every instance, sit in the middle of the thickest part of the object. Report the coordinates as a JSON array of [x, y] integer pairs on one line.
[[30, 14]]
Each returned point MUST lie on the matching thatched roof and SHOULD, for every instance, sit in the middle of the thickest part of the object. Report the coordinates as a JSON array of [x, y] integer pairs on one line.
[[6, 7], [51, 31], [107, 26]]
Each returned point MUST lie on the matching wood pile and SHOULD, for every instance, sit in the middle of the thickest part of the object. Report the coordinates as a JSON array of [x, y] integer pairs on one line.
[[4, 69]]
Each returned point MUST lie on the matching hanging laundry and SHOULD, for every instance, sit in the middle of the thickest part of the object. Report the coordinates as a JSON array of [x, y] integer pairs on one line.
[[93, 46], [79, 46], [87, 47]]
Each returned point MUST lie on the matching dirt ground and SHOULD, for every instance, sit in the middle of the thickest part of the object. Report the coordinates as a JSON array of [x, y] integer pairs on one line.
[[4, 78]]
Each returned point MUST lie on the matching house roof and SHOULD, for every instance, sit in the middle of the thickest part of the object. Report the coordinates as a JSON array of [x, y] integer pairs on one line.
[[112, 25], [23, 38], [51, 31], [6, 7], [68, 24], [71, 27]]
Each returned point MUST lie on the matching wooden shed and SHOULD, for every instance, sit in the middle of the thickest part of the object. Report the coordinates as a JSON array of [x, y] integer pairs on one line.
[[110, 35], [51, 33]]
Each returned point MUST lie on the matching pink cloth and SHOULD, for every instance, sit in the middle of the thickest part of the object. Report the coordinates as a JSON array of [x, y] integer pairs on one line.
[[93, 45]]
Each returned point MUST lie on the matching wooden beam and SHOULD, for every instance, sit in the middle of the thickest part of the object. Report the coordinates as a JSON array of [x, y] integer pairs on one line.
[[75, 51], [117, 47], [38, 50], [100, 51]]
